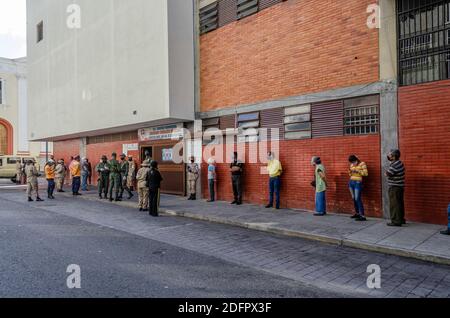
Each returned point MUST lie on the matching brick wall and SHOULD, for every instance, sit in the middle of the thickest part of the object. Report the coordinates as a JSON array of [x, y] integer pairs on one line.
[[296, 189], [424, 142], [66, 149], [288, 49], [94, 152]]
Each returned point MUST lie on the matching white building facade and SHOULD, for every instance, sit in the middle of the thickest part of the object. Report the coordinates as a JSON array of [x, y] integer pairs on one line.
[[14, 112]]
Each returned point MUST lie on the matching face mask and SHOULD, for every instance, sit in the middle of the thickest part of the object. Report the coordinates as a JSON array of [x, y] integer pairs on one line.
[[130, 160]]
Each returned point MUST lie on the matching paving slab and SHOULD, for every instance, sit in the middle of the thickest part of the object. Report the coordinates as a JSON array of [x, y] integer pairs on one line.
[[415, 240]]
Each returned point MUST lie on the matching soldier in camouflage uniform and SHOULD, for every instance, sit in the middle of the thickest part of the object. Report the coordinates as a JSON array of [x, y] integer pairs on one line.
[[124, 171], [114, 177], [148, 159], [32, 174], [103, 177]]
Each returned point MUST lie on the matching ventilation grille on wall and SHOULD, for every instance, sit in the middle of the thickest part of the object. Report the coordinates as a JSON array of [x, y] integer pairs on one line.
[[246, 8], [209, 18]]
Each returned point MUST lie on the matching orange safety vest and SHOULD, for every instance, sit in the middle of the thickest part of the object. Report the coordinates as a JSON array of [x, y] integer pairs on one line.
[[49, 172], [75, 169]]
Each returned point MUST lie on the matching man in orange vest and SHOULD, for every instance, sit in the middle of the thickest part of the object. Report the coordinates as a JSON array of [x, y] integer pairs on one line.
[[50, 176], [75, 172]]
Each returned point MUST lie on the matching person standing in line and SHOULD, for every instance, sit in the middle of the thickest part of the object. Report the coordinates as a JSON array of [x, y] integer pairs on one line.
[[320, 184], [32, 175], [193, 173], [89, 168], [103, 177], [131, 178], [114, 178], [60, 175], [19, 172], [124, 171], [24, 176], [358, 171], [75, 173], [396, 181], [275, 171], [212, 179], [236, 169], [84, 174], [50, 176], [143, 190], [154, 180], [72, 161]]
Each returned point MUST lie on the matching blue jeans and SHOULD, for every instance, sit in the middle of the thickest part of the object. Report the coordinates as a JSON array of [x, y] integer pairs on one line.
[[356, 188], [321, 202], [84, 182], [51, 187], [76, 181], [212, 194], [274, 187]]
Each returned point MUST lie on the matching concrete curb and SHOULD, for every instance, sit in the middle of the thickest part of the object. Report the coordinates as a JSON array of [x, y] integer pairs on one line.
[[298, 234]]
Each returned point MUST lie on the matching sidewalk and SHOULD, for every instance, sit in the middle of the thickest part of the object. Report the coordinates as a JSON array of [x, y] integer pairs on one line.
[[415, 240]]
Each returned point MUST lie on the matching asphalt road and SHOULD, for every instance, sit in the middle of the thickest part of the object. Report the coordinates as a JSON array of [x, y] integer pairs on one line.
[[124, 253], [37, 246]]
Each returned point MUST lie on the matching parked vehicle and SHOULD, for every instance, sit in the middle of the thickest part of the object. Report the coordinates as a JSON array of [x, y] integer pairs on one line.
[[8, 166]]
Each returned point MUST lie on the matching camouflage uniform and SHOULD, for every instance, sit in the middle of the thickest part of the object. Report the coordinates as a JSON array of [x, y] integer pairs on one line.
[[32, 175], [103, 178], [60, 175], [124, 171], [131, 178], [18, 172], [114, 179]]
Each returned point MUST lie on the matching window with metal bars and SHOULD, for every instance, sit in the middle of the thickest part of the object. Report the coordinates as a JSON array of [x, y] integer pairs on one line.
[[424, 40], [246, 8], [361, 116], [209, 18]]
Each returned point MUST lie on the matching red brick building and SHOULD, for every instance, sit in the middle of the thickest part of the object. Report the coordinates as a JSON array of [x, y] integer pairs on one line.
[[336, 78], [260, 58]]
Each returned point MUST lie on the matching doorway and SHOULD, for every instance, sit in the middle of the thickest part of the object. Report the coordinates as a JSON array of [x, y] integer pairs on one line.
[[173, 173]]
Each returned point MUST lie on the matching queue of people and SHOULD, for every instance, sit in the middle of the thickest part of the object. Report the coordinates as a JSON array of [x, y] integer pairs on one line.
[[114, 178], [357, 171]]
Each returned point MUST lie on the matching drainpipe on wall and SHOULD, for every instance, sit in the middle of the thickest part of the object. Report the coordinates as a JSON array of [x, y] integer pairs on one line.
[[196, 26]]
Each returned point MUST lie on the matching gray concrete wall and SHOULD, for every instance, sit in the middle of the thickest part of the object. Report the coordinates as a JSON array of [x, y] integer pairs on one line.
[[389, 134]]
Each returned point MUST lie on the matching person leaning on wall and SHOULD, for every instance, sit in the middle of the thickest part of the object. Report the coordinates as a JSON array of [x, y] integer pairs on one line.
[[320, 184], [275, 171]]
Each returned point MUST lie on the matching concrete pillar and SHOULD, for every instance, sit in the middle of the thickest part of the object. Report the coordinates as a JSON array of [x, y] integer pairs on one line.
[[23, 144], [83, 146], [389, 135], [388, 96]]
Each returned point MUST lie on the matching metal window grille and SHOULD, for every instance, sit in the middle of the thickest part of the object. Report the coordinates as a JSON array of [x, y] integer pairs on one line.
[[447, 13], [424, 40], [297, 122], [209, 18], [246, 8], [363, 120], [211, 123]]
